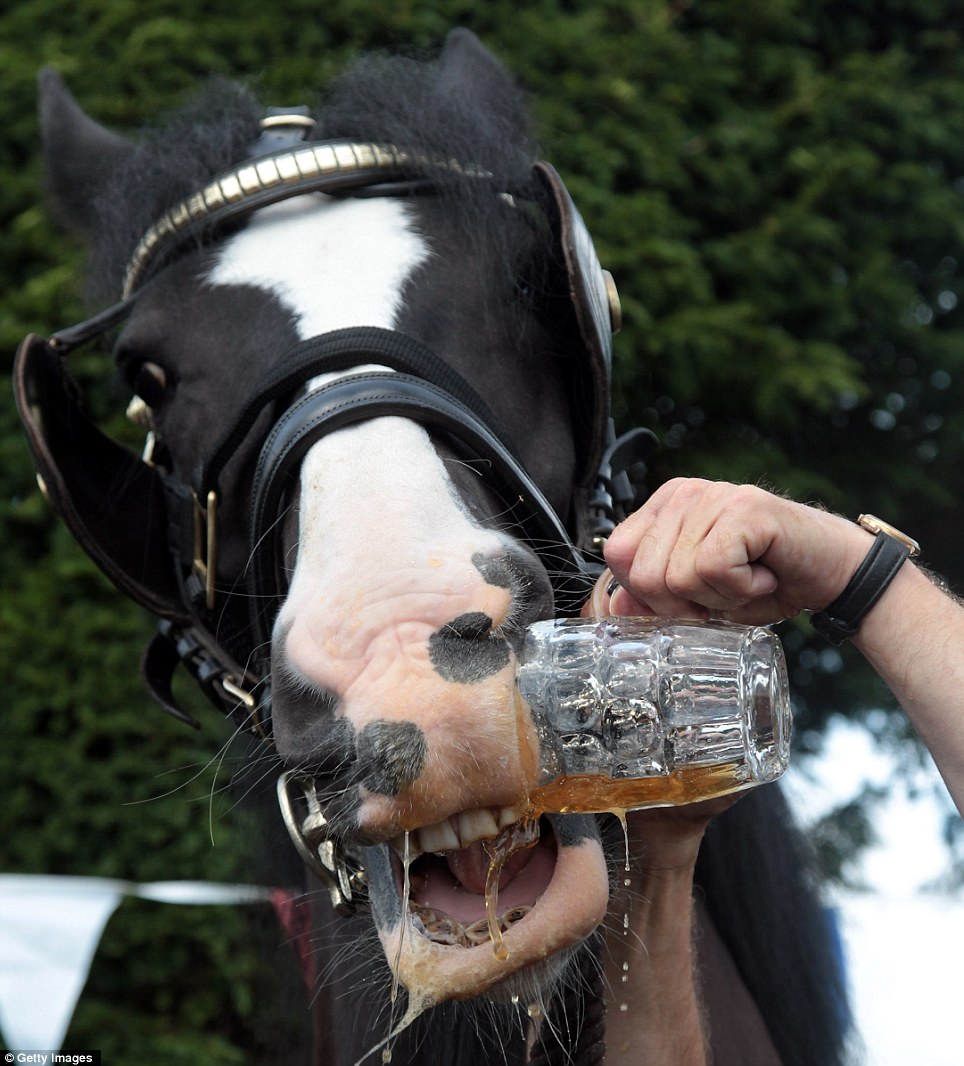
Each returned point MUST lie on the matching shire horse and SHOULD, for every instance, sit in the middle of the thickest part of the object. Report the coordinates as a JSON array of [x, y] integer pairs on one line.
[[371, 349]]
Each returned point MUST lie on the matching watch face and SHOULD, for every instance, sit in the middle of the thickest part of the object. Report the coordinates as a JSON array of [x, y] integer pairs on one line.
[[877, 525]]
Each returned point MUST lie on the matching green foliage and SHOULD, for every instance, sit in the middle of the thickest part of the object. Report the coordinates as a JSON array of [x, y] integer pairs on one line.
[[779, 189]]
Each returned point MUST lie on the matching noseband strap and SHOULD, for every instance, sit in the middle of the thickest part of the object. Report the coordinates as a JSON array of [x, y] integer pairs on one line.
[[359, 398], [335, 352]]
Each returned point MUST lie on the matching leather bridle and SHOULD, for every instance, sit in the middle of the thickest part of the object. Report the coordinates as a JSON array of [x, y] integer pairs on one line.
[[173, 524]]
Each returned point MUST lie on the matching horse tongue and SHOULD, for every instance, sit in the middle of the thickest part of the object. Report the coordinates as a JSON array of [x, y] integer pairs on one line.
[[470, 866]]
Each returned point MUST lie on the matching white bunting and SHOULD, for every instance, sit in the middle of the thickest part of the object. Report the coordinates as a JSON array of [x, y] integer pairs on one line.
[[49, 931]]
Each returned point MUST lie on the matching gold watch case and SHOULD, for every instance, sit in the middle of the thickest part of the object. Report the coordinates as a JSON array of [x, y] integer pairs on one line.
[[873, 524]]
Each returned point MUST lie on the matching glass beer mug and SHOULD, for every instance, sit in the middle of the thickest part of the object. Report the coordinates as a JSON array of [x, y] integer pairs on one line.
[[653, 712]]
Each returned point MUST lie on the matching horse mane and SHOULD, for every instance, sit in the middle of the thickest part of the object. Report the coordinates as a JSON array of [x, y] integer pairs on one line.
[[759, 882], [388, 99]]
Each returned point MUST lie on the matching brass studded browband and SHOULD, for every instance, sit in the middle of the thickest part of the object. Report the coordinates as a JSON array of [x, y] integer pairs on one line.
[[332, 165]]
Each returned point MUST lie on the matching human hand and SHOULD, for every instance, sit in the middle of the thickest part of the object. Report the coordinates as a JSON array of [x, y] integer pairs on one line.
[[697, 548]]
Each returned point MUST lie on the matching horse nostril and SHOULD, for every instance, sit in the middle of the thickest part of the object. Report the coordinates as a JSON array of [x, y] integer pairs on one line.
[[519, 571], [465, 651], [475, 625]]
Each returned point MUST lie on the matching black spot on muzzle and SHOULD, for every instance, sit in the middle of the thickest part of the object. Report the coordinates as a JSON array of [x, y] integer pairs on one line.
[[465, 651], [500, 570], [391, 756]]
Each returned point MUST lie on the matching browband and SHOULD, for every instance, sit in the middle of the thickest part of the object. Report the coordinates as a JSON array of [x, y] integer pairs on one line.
[[327, 166]]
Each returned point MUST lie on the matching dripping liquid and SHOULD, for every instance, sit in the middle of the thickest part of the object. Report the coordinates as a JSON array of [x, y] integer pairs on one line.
[[415, 1008], [596, 794], [396, 968], [406, 893], [512, 839]]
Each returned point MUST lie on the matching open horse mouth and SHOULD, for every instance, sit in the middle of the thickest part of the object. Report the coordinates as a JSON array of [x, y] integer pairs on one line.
[[473, 876], [486, 894]]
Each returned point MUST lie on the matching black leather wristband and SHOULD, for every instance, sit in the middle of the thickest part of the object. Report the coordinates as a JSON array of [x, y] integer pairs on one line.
[[842, 618]]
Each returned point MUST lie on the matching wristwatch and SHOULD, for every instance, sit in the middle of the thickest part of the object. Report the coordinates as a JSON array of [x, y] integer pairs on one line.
[[841, 619]]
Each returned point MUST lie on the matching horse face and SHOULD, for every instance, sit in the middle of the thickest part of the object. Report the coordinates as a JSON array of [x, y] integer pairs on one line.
[[393, 654]]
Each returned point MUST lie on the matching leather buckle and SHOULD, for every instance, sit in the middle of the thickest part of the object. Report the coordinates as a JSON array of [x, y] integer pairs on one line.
[[206, 544]]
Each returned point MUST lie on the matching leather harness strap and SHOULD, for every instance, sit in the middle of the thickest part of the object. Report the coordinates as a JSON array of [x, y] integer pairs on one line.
[[361, 397], [335, 352], [155, 535]]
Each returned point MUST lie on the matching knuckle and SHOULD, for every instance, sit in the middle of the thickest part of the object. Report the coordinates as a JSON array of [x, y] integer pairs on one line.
[[645, 577], [679, 581], [740, 502], [711, 568]]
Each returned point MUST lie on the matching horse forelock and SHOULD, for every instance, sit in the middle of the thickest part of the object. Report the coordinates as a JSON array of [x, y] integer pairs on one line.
[[387, 99]]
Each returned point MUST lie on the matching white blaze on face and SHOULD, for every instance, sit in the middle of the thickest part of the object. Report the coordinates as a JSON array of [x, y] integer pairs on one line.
[[376, 500], [334, 263], [385, 558]]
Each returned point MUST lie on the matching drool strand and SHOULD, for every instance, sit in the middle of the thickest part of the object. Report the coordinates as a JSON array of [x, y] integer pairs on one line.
[[512, 839]]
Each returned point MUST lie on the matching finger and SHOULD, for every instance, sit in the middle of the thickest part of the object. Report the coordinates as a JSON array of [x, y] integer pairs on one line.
[[623, 544], [696, 546], [726, 571], [623, 602], [649, 556]]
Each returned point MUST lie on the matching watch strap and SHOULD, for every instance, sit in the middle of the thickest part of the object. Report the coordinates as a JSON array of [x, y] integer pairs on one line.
[[841, 619]]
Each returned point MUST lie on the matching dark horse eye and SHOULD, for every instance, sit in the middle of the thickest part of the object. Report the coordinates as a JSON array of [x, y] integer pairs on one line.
[[150, 383]]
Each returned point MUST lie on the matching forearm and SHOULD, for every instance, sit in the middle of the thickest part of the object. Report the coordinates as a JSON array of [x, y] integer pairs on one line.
[[698, 547], [654, 1013], [914, 638]]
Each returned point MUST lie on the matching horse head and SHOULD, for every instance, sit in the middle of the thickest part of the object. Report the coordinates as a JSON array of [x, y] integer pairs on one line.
[[372, 351]]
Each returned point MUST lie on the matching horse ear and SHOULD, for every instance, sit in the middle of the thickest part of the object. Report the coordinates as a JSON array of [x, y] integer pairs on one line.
[[80, 154], [468, 71]]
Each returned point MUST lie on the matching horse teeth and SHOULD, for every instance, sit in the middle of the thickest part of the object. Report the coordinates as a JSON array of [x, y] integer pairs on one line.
[[511, 916], [436, 927], [510, 815], [459, 831], [438, 837], [477, 932], [441, 929], [475, 825]]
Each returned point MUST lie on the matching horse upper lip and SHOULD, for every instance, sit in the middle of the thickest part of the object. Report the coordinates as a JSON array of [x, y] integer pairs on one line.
[[458, 831]]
